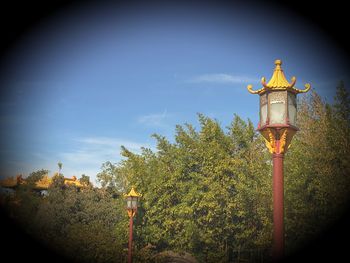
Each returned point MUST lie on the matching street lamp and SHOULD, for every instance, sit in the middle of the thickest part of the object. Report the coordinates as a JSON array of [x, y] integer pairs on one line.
[[132, 201], [278, 112]]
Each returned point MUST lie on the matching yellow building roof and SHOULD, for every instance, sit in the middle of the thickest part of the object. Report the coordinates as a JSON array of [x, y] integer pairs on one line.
[[278, 81], [73, 181], [43, 184], [8, 182], [11, 182], [46, 181]]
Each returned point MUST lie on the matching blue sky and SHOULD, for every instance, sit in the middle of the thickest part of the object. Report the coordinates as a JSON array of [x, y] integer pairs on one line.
[[89, 80]]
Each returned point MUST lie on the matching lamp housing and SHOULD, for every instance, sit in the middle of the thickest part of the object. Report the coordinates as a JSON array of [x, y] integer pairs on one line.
[[278, 108]]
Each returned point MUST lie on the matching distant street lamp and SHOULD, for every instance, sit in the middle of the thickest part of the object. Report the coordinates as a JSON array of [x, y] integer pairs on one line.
[[132, 200], [278, 112]]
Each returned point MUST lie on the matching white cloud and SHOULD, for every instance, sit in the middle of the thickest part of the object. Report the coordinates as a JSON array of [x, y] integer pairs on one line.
[[96, 150], [110, 142], [222, 78], [156, 119], [91, 152]]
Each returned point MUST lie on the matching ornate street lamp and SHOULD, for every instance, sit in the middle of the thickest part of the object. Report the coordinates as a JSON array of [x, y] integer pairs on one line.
[[132, 201], [278, 112]]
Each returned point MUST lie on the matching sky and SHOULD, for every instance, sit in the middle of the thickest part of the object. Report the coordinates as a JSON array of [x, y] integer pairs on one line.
[[90, 79]]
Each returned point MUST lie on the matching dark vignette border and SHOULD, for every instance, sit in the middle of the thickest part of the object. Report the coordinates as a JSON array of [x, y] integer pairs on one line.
[[18, 18]]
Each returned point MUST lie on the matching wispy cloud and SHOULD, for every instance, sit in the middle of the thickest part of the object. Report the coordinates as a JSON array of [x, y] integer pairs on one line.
[[156, 119], [110, 143], [91, 152], [222, 78], [96, 150]]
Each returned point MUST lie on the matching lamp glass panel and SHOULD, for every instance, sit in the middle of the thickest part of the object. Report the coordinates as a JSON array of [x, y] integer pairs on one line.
[[263, 109], [134, 203], [263, 114], [292, 109], [277, 107], [128, 204], [277, 113]]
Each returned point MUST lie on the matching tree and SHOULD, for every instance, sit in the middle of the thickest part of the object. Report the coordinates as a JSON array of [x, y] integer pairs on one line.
[[36, 176], [85, 180], [317, 168], [84, 226], [202, 194], [59, 167], [110, 178], [57, 181]]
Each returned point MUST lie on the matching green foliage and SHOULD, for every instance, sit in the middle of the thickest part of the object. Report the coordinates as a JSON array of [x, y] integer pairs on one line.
[[109, 178], [207, 193], [342, 103], [86, 225], [317, 167], [85, 180], [57, 181], [36, 176]]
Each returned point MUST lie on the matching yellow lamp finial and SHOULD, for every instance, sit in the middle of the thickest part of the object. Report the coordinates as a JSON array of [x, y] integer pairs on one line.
[[278, 62]]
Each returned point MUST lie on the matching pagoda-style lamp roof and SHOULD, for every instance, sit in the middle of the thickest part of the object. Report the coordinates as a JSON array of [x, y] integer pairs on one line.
[[132, 193], [278, 82]]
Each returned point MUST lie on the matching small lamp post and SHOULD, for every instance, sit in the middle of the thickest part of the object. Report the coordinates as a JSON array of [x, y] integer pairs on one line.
[[132, 201], [278, 111]]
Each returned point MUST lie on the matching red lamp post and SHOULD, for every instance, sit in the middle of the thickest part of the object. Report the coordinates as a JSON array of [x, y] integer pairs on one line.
[[278, 111], [132, 200]]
